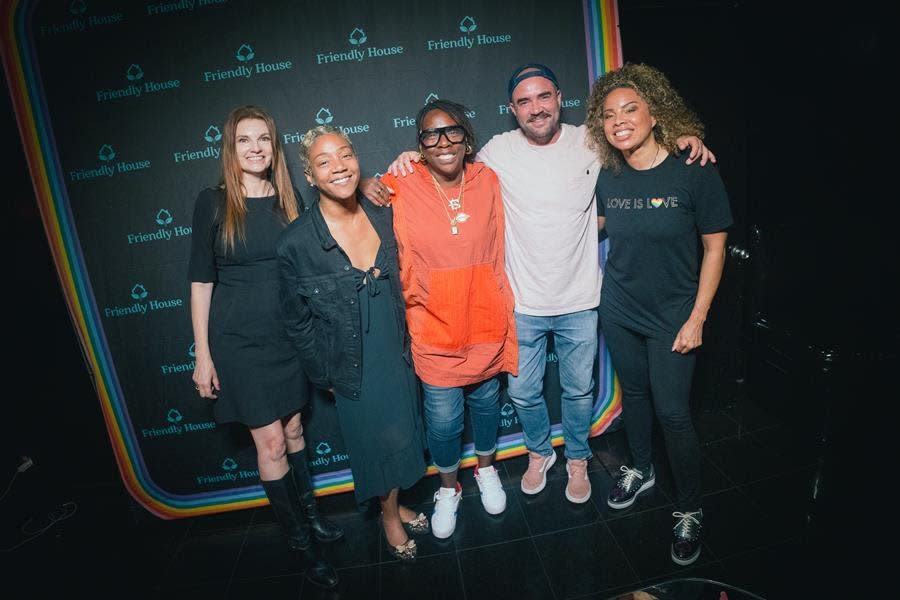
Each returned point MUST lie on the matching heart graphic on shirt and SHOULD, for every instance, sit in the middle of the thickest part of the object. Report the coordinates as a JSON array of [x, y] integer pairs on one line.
[[656, 202]]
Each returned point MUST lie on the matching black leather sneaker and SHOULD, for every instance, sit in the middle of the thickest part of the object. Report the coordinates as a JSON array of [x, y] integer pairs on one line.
[[630, 483], [686, 543]]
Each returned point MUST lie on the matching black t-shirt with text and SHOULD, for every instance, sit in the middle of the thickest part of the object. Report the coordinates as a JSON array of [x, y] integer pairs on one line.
[[654, 219]]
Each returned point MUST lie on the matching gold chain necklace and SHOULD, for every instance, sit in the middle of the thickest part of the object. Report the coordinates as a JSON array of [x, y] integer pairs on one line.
[[456, 204]]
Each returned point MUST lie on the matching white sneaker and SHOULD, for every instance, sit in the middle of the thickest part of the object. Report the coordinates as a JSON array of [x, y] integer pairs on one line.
[[493, 498], [443, 521]]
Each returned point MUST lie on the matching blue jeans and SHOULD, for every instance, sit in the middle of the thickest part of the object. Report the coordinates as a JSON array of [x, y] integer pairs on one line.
[[444, 410], [575, 335]]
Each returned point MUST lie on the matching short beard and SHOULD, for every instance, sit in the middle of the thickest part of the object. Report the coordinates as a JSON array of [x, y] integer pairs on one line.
[[544, 139]]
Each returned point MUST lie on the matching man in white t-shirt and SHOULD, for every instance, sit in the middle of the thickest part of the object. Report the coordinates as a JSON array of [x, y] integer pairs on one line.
[[547, 176]]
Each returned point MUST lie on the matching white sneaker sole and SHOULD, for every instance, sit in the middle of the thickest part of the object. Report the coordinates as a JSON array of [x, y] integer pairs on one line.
[[575, 500], [442, 536], [644, 487], [684, 562], [540, 488], [494, 511]]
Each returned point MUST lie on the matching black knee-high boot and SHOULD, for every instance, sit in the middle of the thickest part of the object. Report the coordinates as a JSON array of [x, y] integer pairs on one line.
[[285, 500], [323, 529]]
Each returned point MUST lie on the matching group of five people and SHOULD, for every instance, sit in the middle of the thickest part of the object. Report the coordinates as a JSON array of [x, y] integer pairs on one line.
[[446, 273]]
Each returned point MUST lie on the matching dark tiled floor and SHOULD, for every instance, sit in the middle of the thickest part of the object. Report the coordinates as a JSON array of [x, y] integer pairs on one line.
[[761, 532]]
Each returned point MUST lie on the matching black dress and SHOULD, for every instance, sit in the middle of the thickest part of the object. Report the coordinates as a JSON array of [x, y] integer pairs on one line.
[[383, 428], [260, 377]]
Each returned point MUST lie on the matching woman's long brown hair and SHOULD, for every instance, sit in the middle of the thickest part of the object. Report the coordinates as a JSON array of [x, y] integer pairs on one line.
[[235, 206]]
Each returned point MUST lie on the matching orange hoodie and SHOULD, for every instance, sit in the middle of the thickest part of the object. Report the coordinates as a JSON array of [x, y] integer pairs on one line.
[[459, 305]]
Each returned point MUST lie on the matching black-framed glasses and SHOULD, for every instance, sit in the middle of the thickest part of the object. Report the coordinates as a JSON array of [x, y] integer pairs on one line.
[[429, 138]]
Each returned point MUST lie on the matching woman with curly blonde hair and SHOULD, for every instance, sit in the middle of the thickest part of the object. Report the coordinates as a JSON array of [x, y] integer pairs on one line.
[[657, 288]]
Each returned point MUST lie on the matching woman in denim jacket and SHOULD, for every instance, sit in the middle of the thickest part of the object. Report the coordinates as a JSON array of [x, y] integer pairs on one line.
[[344, 312]]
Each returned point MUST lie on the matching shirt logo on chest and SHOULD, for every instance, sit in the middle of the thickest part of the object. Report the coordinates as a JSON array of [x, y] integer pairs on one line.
[[641, 203]]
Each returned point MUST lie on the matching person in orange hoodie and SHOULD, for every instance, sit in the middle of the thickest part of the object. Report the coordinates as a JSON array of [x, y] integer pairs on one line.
[[448, 221]]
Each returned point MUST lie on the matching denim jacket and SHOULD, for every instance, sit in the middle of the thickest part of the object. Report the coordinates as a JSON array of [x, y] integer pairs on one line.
[[318, 293]]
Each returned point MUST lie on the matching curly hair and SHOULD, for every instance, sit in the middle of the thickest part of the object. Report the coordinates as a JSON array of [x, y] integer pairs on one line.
[[673, 117], [310, 137]]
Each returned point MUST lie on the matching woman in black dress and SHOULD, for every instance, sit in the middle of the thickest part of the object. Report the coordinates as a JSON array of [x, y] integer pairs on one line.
[[344, 310], [244, 361]]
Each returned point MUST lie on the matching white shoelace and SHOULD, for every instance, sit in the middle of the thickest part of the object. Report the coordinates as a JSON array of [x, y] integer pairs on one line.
[[684, 528], [490, 480], [444, 503], [630, 475]]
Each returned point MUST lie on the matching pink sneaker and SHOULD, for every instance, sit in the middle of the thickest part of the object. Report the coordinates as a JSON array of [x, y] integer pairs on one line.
[[578, 490], [535, 478]]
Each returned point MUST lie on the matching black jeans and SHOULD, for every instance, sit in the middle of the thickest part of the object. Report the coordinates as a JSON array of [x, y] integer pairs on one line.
[[647, 368]]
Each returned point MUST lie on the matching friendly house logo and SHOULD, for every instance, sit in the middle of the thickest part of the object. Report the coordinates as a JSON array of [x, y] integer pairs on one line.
[[503, 109], [324, 116], [467, 26], [139, 294], [77, 20], [356, 39], [174, 368], [164, 8], [211, 136], [246, 67], [325, 458], [508, 416], [163, 217], [163, 233], [177, 426], [134, 74], [230, 472], [244, 53], [106, 153], [407, 121], [107, 167]]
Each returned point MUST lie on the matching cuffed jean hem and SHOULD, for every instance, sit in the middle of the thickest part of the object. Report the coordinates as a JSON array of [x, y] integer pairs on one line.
[[485, 452], [589, 456], [452, 469]]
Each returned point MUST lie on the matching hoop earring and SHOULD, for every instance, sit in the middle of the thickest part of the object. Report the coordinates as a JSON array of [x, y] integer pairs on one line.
[[468, 148], [422, 158]]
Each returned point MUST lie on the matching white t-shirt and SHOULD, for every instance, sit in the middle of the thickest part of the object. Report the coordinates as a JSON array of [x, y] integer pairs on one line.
[[552, 258]]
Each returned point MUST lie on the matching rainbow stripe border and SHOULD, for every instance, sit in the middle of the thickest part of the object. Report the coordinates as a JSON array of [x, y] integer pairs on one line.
[[22, 71]]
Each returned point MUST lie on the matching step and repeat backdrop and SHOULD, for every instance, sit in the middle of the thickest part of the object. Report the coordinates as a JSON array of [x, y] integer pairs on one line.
[[121, 108]]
